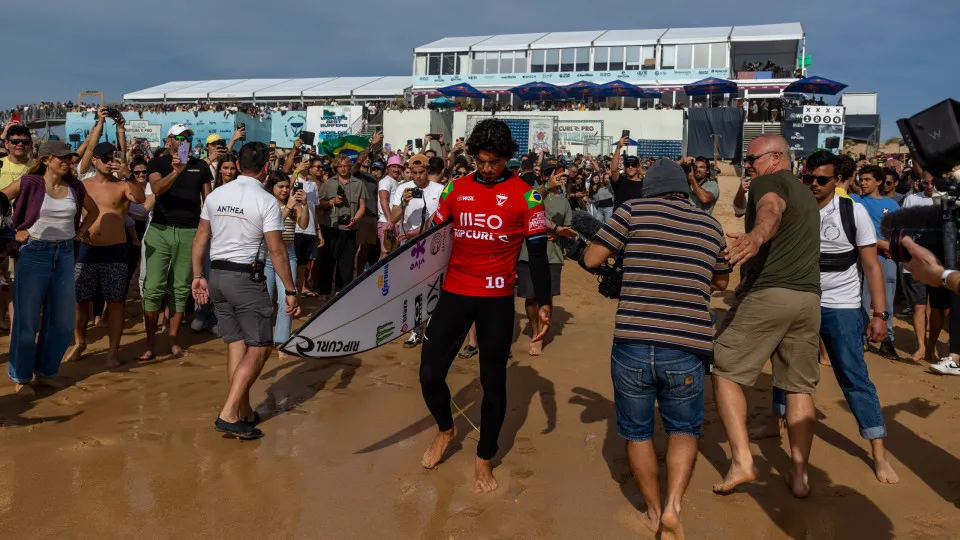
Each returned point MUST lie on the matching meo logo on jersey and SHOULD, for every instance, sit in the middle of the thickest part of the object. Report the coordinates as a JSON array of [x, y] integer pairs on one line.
[[483, 221]]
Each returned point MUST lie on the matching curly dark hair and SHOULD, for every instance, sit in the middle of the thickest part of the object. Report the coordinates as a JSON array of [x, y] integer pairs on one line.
[[876, 172], [493, 136]]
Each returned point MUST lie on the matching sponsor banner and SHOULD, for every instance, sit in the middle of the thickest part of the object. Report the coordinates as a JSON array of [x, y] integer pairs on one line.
[[390, 299], [598, 77], [286, 127], [823, 114], [805, 138], [541, 135], [142, 129], [575, 135], [203, 124]]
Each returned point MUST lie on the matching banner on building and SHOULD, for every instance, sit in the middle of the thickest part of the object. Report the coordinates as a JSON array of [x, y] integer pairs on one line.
[[575, 136], [823, 114]]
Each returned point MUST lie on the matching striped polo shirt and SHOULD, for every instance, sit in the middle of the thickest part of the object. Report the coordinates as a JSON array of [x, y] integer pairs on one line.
[[671, 251]]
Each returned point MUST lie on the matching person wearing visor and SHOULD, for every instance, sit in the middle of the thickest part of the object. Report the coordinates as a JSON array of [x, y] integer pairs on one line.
[[179, 186]]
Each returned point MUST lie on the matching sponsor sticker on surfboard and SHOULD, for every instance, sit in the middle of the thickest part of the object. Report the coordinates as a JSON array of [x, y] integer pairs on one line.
[[385, 302]]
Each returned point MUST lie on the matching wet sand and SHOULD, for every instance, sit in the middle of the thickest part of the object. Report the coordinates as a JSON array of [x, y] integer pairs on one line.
[[131, 453]]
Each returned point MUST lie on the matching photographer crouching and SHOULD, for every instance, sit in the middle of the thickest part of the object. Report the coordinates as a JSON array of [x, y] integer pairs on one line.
[[672, 259]]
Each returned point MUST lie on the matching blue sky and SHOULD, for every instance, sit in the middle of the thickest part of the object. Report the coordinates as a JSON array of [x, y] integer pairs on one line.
[[905, 51]]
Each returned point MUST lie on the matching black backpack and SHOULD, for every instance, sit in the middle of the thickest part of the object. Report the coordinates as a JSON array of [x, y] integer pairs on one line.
[[839, 262]]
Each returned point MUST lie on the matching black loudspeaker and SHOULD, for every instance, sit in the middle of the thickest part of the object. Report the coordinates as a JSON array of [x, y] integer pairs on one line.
[[74, 137], [832, 143], [933, 136]]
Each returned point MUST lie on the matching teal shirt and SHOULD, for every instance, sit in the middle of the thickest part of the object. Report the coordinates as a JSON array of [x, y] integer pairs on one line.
[[558, 211]]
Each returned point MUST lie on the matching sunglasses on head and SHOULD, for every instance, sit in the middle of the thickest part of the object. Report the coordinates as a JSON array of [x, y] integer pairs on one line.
[[750, 159], [821, 180]]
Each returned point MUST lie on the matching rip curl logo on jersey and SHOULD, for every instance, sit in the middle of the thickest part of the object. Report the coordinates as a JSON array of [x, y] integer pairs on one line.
[[480, 235], [483, 221], [501, 200]]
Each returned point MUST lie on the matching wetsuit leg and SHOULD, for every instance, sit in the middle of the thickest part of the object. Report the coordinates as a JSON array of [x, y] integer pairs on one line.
[[448, 327], [494, 334]]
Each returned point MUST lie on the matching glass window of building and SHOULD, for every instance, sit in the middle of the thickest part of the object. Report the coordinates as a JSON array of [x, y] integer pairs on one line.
[[421, 64], [538, 61], [633, 58], [668, 56], [477, 66], [583, 59], [718, 55], [701, 56], [684, 56], [648, 57], [493, 62], [600, 55], [433, 64], [449, 63], [567, 59], [553, 60], [520, 61], [616, 58], [506, 62]]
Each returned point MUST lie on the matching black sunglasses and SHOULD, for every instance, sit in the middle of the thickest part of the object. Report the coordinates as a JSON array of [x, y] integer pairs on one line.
[[138, 173], [751, 158], [822, 180], [14, 142], [924, 183]]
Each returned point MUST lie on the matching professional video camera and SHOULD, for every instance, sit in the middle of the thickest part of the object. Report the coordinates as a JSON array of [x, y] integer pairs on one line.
[[933, 136], [609, 276]]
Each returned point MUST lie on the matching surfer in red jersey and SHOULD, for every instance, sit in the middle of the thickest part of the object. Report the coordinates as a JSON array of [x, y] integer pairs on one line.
[[493, 212]]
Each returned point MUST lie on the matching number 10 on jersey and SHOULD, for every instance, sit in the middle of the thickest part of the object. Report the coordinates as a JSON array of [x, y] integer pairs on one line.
[[495, 282]]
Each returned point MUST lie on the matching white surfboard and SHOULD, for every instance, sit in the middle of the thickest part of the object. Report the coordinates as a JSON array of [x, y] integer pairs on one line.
[[385, 302]]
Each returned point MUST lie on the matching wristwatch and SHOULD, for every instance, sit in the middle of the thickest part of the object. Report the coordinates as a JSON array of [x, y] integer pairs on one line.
[[290, 293], [944, 276], [883, 315]]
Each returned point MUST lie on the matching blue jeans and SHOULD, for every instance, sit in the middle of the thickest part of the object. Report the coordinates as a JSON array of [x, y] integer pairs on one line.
[[605, 213], [281, 331], [644, 375], [889, 270], [43, 286], [205, 312], [841, 331]]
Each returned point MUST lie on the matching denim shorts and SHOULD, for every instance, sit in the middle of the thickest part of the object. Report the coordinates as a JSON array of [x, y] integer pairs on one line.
[[644, 375]]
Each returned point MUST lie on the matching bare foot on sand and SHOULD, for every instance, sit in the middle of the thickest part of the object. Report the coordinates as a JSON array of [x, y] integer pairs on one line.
[[799, 485], [485, 481], [146, 357], [651, 520], [434, 454], [536, 349], [177, 351], [76, 352], [51, 382], [111, 362], [24, 390], [737, 475], [885, 473], [773, 427], [918, 357], [672, 528]]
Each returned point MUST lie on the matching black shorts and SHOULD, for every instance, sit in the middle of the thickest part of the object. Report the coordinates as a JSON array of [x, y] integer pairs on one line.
[[305, 246], [525, 282], [244, 309], [939, 297], [101, 273]]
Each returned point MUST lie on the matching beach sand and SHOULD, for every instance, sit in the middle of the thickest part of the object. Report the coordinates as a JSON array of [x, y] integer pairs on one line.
[[132, 453]]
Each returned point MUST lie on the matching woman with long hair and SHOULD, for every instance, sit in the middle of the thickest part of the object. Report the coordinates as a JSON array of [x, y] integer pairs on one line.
[[49, 204], [293, 211], [226, 170]]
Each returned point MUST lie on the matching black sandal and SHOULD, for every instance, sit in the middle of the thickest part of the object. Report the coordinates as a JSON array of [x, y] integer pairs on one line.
[[239, 429], [254, 421]]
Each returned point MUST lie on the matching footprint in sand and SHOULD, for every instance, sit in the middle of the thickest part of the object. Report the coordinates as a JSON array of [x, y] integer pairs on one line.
[[522, 474], [470, 511]]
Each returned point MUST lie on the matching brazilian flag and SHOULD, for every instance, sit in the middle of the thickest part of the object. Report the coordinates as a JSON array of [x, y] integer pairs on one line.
[[533, 198], [351, 146], [447, 190]]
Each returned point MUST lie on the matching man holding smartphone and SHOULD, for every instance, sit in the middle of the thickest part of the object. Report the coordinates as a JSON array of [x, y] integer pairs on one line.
[[344, 197], [179, 183], [101, 267]]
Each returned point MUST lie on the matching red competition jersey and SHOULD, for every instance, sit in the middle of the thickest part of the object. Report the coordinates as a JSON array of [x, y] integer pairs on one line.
[[490, 223]]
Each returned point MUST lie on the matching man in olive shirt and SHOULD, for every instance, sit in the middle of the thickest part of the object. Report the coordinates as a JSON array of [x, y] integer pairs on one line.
[[704, 189], [778, 315], [344, 199], [559, 217]]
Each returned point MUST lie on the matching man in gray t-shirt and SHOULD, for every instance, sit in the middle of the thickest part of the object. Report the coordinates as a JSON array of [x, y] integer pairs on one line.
[[344, 199]]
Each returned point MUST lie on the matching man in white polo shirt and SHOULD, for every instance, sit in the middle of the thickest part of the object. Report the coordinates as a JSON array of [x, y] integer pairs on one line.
[[240, 219]]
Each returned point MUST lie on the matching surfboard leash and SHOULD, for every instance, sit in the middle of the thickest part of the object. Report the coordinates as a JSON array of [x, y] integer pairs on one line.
[[467, 418]]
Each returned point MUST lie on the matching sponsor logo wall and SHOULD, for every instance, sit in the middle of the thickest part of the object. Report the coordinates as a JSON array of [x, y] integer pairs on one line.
[[648, 76]]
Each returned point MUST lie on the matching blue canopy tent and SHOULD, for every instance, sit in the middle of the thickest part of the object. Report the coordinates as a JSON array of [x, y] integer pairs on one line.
[[620, 88], [815, 85], [582, 89], [539, 91], [710, 86], [462, 90], [443, 103]]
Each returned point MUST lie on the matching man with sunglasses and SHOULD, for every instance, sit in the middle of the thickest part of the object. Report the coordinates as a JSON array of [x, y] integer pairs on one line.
[[888, 187], [18, 161], [877, 206], [847, 236], [778, 314], [179, 189], [632, 186]]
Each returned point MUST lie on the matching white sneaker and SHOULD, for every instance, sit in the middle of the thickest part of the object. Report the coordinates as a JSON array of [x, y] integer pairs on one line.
[[946, 366], [197, 325], [412, 341]]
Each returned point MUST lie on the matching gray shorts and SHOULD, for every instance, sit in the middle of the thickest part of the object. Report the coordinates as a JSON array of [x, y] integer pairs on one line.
[[244, 310], [525, 282]]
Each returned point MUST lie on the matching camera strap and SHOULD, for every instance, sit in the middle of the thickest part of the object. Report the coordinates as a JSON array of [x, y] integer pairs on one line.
[[840, 262]]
